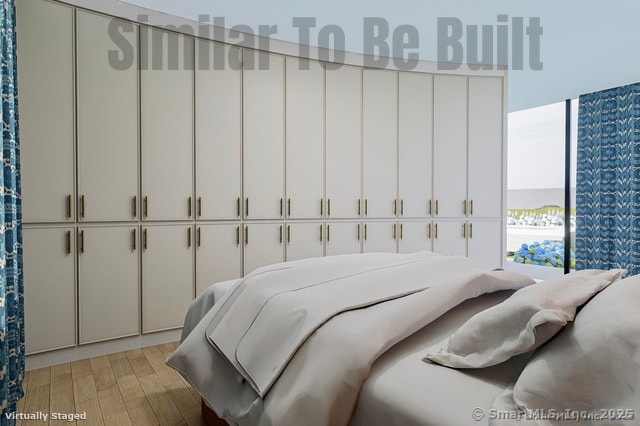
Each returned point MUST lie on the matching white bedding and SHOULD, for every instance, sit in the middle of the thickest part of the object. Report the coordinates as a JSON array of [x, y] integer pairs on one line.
[[320, 382]]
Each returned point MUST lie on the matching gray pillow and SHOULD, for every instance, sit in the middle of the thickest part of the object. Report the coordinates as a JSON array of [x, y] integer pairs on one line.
[[593, 365], [526, 320]]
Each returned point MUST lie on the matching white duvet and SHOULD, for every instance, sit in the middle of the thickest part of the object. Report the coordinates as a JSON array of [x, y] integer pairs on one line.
[[292, 343]]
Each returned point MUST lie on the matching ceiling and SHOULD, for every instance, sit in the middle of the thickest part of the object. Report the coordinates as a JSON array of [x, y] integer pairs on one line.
[[585, 46]]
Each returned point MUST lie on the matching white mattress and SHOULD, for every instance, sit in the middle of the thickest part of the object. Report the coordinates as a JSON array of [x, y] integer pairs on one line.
[[404, 390]]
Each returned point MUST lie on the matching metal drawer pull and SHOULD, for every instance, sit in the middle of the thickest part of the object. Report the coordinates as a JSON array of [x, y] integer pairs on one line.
[[238, 207], [135, 206], [288, 234], [289, 207], [400, 231], [281, 206], [69, 206], [358, 232], [82, 206], [471, 230], [436, 231], [366, 207], [237, 235], [329, 207], [429, 231], [246, 235], [199, 237], [464, 207], [280, 233], [464, 230], [436, 210], [394, 231], [190, 206], [321, 206], [81, 241], [189, 237], [146, 206], [328, 233], [133, 240], [68, 242], [401, 207], [365, 232], [246, 207], [320, 233], [144, 238], [395, 207], [199, 206], [359, 202], [471, 207]]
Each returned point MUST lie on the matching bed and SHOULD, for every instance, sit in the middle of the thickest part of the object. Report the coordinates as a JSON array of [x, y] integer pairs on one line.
[[376, 370]]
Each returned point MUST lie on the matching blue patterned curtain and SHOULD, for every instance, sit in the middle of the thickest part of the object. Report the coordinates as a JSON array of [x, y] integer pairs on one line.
[[11, 301], [608, 180]]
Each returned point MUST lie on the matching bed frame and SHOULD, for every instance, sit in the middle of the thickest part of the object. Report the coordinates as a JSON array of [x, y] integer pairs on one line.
[[209, 416]]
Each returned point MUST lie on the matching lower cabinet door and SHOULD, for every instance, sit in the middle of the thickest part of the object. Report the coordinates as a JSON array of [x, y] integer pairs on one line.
[[218, 254], [263, 245], [380, 237], [414, 236], [167, 275], [343, 238], [485, 243], [449, 238], [304, 240], [108, 271], [49, 288]]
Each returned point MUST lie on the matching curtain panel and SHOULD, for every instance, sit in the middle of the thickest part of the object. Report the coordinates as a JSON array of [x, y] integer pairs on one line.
[[11, 289], [608, 180]]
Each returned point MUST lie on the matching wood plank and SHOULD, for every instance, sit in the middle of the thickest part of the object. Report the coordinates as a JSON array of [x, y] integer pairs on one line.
[[62, 397], [166, 374], [92, 408], [141, 366], [138, 407], [112, 406], [104, 378], [37, 399], [154, 355], [121, 367], [84, 389], [40, 377], [60, 369], [81, 368], [166, 411], [99, 362]]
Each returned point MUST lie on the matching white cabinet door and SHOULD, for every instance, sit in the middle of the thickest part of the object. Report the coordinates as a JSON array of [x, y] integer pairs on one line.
[[305, 138], [46, 87], [107, 123], [304, 240], [263, 103], [167, 275], [380, 237], [485, 146], [218, 254], [449, 238], [343, 238], [49, 288], [415, 143], [167, 124], [380, 143], [414, 236], [263, 245], [343, 141], [218, 134], [109, 289], [450, 144], [485, 242]]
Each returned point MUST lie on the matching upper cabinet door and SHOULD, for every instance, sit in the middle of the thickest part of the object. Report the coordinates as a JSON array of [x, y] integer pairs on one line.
[[263, 93], [107, 96], [166, 61], [415, 143], [46, 87], [450, 145], [218, 131], [305, 138], [486, 147], [343, 141], [380, 143]]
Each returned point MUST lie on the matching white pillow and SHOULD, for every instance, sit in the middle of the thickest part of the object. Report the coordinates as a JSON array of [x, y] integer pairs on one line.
[[524, 321], [593, 365]]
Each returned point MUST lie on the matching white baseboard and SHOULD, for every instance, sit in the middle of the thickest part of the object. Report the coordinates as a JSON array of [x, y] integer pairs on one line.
[[60, 356]]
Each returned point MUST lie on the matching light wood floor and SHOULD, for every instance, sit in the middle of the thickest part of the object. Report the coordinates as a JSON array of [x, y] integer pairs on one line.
[[127, 388]]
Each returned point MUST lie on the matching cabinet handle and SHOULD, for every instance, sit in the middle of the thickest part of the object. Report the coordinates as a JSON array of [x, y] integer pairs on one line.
[[189, 237], [436, 210], [471, 230], [436, 231], [246, 235], [320, 233], [430, 205], [190, 201], [464, 207], [401, 207], [280, 238], [146, 206], [281, 206], [400, 231], [237, 235], [68, 242], [82, 206], [288, 234], [464, 230], [321, 206], [395, 207], [394, 231], [238, 207], [133, 240], [358, 234], [69, 206], [135, 206], [199, 206], [81, 241], [199, 237], [365, 232], [471, 207], [289, 207], [429, 231], [366, 208], [328, 233], [359, 202], [246, 207], [329, 207], [144, 239]]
